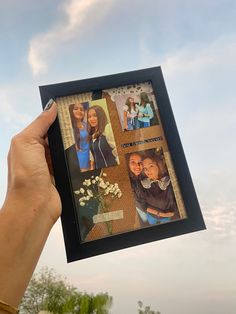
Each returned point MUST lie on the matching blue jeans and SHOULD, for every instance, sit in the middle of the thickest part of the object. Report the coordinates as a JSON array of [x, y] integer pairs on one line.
[[134, 125], [153, 221], [144, 124]]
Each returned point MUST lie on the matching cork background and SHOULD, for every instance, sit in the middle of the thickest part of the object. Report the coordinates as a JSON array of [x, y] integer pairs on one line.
[[119, 174]]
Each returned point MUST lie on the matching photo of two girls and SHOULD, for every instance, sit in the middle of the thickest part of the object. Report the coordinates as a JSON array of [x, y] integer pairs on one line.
[[93, 135]]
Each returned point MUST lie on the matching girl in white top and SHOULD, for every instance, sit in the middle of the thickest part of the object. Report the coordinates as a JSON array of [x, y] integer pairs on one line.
[[130, 111]]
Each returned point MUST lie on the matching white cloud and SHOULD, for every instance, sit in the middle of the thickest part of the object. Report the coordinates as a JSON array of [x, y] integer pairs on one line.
[[221, 220], [81, 15], [200, 78], [193, 57], [213, 60]]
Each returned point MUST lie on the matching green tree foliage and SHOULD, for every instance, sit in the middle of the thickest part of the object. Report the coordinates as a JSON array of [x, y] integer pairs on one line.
[[47, 291], [146, 309]]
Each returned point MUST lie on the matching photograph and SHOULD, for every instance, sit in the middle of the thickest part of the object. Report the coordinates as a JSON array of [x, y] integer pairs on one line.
[[100, 207], [151, 186], [91, 134], [117, 195], [119, 165], [100, 136], [136, 105]]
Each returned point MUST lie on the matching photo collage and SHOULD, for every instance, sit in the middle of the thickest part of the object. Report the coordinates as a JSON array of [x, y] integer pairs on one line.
[[120, 168]]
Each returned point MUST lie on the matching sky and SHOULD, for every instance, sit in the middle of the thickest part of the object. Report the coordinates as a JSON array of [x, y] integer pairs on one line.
[[44, 42]]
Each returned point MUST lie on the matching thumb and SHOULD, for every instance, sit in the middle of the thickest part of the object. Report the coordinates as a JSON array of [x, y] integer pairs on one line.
[[39, 127]]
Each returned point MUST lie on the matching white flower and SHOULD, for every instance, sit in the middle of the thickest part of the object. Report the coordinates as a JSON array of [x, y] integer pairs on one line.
[[102, 185], [87, 182], [104, 174], [119, 195], [97, 178], [90, 193], [87, 198], [77, 192], [82, 203], [93, 181], [81, 190], [106, 191]]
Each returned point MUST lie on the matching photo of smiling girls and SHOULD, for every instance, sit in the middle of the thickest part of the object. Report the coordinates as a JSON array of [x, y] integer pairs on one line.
[[136, 105], [152, 188], [100, 135]]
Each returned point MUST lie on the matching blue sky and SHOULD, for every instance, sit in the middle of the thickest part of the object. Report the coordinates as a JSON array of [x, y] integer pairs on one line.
[[195, 43]]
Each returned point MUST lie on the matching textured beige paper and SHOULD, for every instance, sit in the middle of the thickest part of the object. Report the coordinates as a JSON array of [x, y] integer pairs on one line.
[[118, 214]]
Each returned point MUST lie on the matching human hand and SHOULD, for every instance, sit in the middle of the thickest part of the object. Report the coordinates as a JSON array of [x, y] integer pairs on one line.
[[159, 213], [29, 182], [31, 207], [165, 215]]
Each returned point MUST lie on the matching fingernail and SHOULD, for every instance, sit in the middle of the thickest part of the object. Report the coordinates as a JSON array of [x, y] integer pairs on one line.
[[48, 105]]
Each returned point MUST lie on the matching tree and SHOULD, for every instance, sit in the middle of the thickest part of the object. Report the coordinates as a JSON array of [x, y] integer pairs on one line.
[[47, 291], [146, 310]]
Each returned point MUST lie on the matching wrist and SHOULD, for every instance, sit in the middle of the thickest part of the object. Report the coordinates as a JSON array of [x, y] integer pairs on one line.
[[33, 203], [21, 246]]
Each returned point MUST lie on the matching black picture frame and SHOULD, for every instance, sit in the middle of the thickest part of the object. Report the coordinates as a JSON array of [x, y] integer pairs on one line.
[[76, 248]]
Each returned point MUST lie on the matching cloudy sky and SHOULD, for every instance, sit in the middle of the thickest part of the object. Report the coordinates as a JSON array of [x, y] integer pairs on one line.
[[44, 42]]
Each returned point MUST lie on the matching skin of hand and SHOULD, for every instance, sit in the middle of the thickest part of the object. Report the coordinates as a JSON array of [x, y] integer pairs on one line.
[[125, 120], [92, 165], [159, 214], [31, 207]]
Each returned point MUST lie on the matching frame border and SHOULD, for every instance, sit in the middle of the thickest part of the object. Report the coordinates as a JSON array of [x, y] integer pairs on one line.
[[76, 250]]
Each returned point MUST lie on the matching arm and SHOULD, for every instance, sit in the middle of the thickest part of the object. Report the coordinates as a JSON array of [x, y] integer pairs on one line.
[[110, 139], [31, 207], [149, 112], [92, 164], [125, 120]]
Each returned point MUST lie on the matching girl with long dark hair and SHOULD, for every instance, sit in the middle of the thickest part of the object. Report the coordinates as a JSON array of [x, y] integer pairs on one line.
[[159, 195], [145, 113], [77, 114], [130, 111], [135, 166], [102, 144]]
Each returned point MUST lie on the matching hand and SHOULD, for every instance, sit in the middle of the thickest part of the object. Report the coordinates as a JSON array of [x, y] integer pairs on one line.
[[165, 215], [159, 213], [31, 207], [29, 179]]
